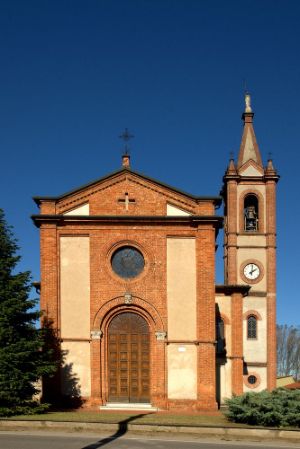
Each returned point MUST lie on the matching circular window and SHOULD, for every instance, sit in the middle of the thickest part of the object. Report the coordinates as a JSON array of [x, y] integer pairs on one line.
[[252, 379], [127, 262]]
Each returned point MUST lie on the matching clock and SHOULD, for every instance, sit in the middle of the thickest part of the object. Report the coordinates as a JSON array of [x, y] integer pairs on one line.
[[251, 271]]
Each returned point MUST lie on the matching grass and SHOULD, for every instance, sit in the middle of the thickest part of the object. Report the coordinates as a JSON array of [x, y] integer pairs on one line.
[[153, 418], [158, 418]]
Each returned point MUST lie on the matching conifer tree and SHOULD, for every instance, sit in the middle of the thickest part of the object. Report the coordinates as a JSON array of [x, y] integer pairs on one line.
[[24, 354]]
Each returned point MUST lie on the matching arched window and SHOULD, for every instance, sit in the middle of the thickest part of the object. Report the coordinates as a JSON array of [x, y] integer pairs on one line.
[[251, 327], [251, 213], [220, 335]]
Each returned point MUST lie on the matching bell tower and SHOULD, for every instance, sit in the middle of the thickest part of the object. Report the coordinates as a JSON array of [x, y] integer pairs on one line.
[[249, 193]]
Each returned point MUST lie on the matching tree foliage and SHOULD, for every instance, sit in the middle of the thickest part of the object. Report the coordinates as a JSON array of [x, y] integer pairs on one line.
[[24, 354], [277, 408], [288, 351]]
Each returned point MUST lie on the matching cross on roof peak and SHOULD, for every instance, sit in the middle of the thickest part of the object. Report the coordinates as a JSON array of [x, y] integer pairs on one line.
[[126, 136]]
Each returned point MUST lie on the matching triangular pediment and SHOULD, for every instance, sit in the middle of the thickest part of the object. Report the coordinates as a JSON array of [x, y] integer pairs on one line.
[[127, 192], [250, 169]]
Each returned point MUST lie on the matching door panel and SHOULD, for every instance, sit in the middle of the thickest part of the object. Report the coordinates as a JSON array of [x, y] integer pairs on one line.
[[129, 359]]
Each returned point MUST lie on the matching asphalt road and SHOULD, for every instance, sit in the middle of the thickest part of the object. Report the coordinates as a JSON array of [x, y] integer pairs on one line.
[[47, 440]]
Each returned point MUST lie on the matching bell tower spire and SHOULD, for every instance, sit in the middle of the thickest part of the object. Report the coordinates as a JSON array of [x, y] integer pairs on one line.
[[249, 150], [249, 194]]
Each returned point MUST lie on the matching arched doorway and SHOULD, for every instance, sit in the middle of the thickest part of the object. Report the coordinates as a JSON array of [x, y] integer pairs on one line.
[[128, 359]]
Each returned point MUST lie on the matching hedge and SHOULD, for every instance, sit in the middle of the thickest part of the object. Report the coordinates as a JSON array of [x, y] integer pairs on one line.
[[278, 408]]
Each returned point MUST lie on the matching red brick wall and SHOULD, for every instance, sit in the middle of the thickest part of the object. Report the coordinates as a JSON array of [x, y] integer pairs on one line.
[[149, 290], [231, 233], [271, 283], [206, 318], [237, 343]]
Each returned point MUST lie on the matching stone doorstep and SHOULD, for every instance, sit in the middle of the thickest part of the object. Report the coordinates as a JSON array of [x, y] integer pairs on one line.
[[230, 433], [128, 406]]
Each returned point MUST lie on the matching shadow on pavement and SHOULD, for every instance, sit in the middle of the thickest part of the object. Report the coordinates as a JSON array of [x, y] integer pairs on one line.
[[123, 427]]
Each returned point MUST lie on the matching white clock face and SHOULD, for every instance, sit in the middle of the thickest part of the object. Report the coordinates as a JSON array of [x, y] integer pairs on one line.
[[251, 271]]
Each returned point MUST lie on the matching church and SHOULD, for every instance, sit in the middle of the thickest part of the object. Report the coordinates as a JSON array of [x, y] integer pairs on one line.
[[128, 282]]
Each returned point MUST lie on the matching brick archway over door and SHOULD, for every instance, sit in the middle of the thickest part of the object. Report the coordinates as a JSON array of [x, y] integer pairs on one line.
[[128, 359]]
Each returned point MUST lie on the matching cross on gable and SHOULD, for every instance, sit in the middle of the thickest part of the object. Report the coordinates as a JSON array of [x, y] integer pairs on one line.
[[126, 201], [126, 136]]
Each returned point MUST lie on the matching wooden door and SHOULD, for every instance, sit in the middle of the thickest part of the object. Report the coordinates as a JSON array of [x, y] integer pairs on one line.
[[128, 359]]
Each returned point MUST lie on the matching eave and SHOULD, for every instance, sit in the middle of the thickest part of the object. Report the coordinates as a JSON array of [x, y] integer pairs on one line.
[[142, 220], [235, 288], [217, 200], [255, 179]]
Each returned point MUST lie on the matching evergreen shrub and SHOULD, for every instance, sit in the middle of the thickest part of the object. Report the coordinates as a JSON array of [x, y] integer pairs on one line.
[[278, 408], [25, 355]]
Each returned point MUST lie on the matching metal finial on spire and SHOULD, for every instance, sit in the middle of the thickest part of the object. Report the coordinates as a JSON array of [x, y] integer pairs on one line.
[[126, 136], [248, 102]]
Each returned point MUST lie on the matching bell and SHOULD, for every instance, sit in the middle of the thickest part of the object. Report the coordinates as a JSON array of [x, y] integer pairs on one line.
[[250, 218], [250, 212]]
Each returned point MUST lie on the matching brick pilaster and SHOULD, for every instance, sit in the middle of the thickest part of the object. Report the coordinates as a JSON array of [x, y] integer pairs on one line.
[[206, 319], [271, 282], [49, 301], [96, 384], [231, 232], [237, 343], [49, 273]]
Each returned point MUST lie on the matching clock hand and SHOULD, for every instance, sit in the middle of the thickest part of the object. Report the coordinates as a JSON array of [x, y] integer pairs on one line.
[[253, 269]]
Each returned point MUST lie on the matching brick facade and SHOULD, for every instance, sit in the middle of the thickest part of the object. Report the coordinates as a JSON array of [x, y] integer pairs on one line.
[[129, 209]]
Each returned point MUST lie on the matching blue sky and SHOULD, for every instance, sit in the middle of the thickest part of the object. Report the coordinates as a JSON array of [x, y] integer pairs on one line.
[[75, 73]]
